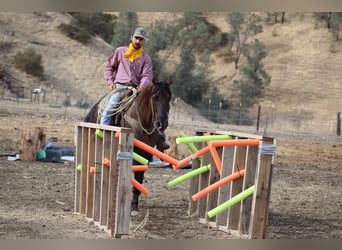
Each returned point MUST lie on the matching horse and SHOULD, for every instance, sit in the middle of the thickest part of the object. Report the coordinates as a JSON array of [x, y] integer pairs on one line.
[[147, 115]]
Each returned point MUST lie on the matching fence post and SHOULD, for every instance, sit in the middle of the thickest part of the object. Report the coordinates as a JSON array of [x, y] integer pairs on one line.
[[338, 123], [258, 119]]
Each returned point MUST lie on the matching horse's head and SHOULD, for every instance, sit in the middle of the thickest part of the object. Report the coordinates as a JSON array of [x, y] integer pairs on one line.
[[161, 97]]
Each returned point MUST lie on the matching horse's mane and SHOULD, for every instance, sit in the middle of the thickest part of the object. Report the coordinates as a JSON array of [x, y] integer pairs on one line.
[[142, 104], [142, 108], [144, 96]]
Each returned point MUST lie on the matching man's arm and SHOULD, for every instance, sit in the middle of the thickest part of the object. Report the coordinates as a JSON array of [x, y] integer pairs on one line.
[[111, 68], [147, 73]]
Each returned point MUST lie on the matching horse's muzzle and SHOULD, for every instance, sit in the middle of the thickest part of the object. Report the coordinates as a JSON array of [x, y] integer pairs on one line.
[[161, 126]]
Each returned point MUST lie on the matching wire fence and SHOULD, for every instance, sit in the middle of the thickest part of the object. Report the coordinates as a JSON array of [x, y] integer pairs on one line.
[[260, 120]]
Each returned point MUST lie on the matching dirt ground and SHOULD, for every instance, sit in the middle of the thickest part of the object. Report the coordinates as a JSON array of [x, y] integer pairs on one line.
[[37, 198]]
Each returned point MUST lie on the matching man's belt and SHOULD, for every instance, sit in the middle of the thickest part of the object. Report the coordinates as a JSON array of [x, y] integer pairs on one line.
[[130, 84]]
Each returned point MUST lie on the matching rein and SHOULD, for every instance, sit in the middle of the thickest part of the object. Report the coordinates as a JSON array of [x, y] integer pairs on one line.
[[123, 105], [137, 123]]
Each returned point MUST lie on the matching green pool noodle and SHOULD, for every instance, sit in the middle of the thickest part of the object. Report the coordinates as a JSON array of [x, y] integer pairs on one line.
[[202, 138], [140, 159], [188, 175], [224, 206], [190, 145]]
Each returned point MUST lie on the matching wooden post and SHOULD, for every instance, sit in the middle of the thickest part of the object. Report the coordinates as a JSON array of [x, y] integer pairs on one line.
[[30, 141], [338, 123], [258, 118]]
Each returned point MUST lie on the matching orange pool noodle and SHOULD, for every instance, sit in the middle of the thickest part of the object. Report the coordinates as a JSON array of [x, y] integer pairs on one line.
[[218, 184], [155, 152], [106, 162], [216, 158], [138, 168], [186, 160], [140, 187], [237, 142], [92, 170]]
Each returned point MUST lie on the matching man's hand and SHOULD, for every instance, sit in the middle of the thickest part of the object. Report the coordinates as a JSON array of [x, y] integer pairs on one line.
[[111, 86]]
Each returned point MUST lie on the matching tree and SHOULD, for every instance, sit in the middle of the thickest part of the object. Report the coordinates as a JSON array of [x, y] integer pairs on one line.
[[187, 84], [254, 77], [244, 26], [161, 37], [183, 75], [275, 15], [126, 23], [96, 23], [336, 24], [333, 21]]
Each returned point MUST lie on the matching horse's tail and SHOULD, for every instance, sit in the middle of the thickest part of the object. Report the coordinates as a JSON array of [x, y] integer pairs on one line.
[[93, 112]]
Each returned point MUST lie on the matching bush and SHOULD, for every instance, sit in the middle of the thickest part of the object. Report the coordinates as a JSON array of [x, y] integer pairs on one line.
[[29, 61], [75, 32], [82, 104]]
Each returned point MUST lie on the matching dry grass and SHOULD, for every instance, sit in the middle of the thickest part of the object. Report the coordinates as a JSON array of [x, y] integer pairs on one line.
[[305, 72]]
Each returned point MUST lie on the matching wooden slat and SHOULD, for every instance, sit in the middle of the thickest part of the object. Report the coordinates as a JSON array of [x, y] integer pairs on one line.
[[214, 176], [224, 191], [124, 191], [248, 180], [90, 176], [105, 178], [112, 180], [78, 160], [98, 174], [84, 163], [194, 182], [203, 183], [261, 197], [236, 187]]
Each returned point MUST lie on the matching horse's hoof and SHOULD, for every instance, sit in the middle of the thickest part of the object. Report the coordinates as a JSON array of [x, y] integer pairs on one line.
[[134, 213]]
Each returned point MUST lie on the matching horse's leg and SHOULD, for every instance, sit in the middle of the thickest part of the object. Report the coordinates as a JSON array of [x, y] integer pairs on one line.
[[139, 177], [161, 143]]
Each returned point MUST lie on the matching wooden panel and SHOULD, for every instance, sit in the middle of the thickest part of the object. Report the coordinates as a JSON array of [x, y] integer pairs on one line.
[[248, 218], [224, 191], [123, 204], [84, 163], [214, 176], [203, 183], [236, 187], [248, 181], [105, 178], [90, 176], [194, 182], [112, 180], [98, 175], [78, 161], [261, 197]]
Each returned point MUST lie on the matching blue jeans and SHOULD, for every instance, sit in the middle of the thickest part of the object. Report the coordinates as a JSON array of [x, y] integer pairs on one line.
[[113, 102]]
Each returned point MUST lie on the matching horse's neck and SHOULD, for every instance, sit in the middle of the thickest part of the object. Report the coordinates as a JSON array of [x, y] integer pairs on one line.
[[139, 113]]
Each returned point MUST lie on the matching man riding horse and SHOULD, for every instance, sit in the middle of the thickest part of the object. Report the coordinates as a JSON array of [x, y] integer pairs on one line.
[[128, 65]]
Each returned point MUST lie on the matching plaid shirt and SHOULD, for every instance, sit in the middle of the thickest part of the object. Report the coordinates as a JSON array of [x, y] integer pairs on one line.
[[119, 69]]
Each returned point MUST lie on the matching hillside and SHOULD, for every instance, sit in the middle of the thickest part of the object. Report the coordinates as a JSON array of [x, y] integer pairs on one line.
[[303, 61], [69, 66]]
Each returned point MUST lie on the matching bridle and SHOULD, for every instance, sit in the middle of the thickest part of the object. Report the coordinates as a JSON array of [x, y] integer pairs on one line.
[[137, 124]]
